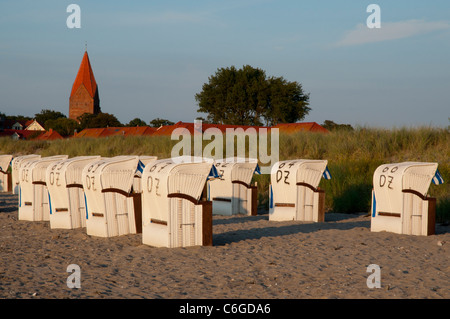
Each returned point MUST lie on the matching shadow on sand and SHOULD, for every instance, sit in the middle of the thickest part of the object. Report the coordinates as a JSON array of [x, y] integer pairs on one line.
[[8, 203], [332, 221]]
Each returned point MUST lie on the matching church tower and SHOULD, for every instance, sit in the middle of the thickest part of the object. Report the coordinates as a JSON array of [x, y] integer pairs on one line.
[[84, 96]]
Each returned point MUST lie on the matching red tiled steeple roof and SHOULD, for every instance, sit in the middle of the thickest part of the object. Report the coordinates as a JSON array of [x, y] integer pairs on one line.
[[85, 76]]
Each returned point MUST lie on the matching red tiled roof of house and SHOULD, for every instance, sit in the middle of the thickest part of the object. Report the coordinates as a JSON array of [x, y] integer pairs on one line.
[[113, 131], [90, 132], [28, 123], [140, 130], [168, 129], [7, 132], [49, 135], [23, 134], [85, 77]]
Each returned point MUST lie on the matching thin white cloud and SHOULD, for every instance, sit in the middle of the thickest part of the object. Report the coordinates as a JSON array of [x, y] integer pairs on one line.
[[391, 31]]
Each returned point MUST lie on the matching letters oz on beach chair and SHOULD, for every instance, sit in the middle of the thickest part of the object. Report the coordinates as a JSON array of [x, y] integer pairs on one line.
[[232, 192], [173, 213], [5, 177], [294, 193], [65, 187], [112, 208], [33, 192], [399, 198], [15, 168]]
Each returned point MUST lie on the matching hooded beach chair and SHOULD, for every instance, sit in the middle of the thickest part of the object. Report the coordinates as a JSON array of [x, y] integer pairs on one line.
[[294, 192], [15, 167], [66, 193], [113, 209], [173, 212], [33, 196], [400, 203], [232, 193]]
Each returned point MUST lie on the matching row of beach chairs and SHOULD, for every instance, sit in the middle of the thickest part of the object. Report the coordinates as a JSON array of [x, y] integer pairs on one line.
[[171, 201]]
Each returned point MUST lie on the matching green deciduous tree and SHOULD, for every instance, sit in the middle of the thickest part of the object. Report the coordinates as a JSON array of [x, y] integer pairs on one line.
[[64, 126], [247, 96], [45, 115], [287, 102], [160, 122], [137, 122], [98, 120], [331, 126], [14, 118]]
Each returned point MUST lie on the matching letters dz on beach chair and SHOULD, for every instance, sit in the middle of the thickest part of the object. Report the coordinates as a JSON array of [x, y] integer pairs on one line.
[[66, 193], [33, 192], [173, 212], [399, 198], [15, 168], [113, 208], [294, 192]]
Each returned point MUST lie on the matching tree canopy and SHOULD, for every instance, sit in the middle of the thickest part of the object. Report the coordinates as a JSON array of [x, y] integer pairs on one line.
[[331, 126], [160, 122], [14, 118], [45, 115], [99, 120], [137, 122], [64, 126], [247, 96]]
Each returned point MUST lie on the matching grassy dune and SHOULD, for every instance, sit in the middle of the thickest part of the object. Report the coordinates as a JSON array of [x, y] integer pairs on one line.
[[352, 158]]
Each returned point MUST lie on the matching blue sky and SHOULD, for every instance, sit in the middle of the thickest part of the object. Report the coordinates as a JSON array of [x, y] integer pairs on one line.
[[150, 58]]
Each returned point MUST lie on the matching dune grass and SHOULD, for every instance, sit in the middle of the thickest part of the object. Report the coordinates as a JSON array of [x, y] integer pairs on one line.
[[352, 158]]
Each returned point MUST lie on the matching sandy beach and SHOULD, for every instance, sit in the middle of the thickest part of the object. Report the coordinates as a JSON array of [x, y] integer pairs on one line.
[[252, 258]]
